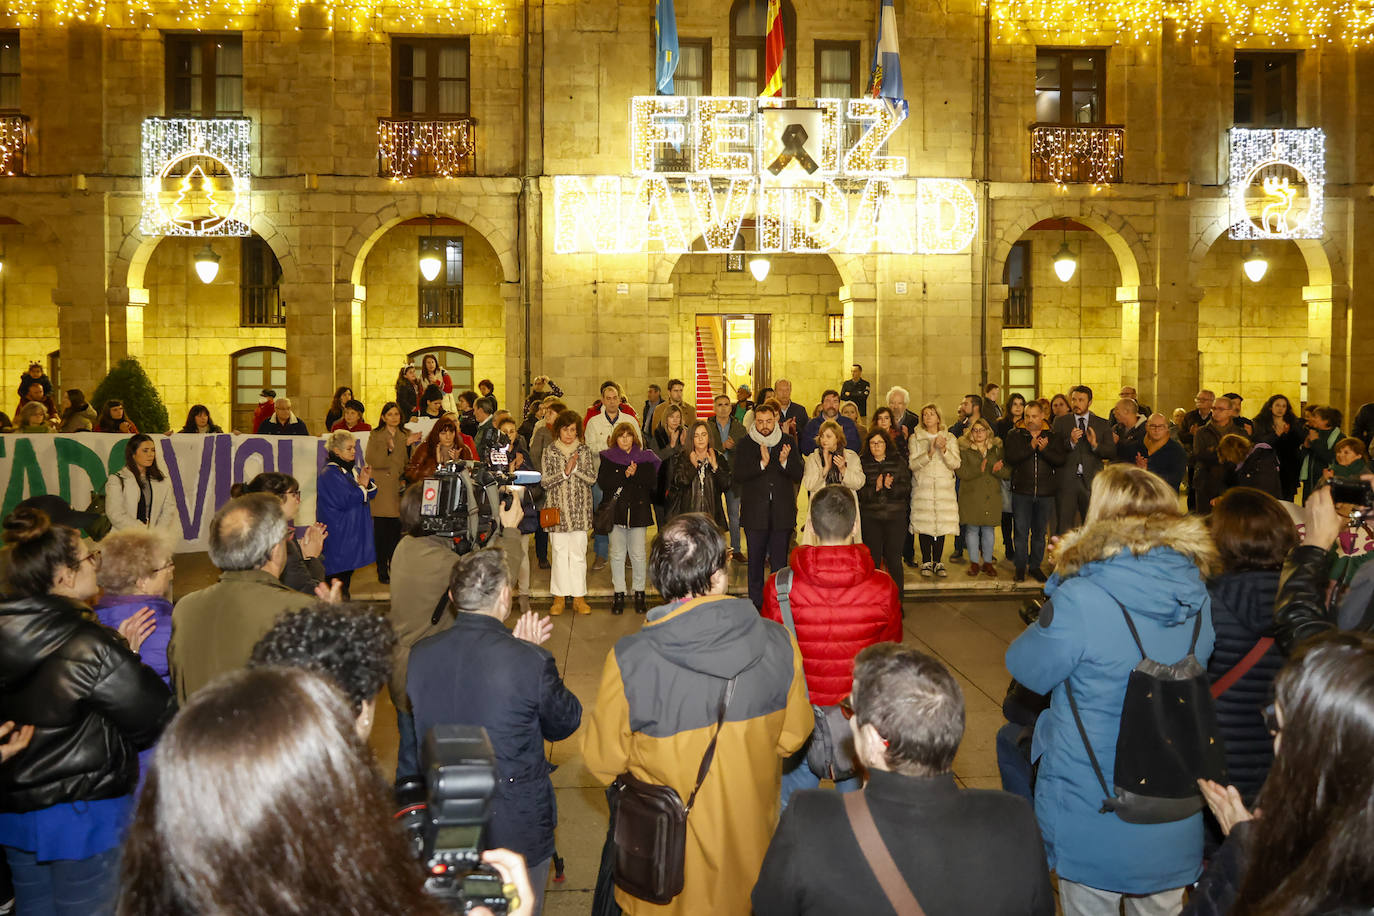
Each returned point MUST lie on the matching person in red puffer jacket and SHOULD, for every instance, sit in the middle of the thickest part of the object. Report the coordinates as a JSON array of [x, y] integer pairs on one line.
[[841, 605]]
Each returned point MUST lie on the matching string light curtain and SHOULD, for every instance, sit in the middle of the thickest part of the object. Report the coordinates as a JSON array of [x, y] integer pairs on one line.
[[350, 15]]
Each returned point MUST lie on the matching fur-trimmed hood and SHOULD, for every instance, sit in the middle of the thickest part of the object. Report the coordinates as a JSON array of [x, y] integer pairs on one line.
[[1138, 535]]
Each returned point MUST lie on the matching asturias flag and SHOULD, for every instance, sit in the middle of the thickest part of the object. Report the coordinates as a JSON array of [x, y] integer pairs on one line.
[[774, 45], [666, 47], [886, 82]]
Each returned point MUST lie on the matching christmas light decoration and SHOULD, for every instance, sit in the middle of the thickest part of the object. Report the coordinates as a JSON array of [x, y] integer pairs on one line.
[[946, 216], [1277, 183], [581, 215], [351, 15], [1231, 21], [719, 221], [14, 142], [655, 120], [723, 142], [196, 177], [864, 158], [435, 149], [1077, 154]]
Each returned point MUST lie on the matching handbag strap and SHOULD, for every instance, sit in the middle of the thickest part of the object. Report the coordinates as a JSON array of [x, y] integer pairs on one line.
[[1088, 746], [783, 582], [1243, 666], [1135, 634], [711, 748], [895, 888]]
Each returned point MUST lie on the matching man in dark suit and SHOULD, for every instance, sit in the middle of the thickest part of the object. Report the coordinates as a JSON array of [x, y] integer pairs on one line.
[[768, 467], [958, 850], [856, 389], [1086, 441], [794, 416]]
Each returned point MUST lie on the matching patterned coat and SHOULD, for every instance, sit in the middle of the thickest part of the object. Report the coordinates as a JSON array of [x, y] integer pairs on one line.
[[571, 495], [934, 505]]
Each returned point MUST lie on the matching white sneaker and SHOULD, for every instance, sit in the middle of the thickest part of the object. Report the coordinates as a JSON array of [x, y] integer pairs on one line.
[[940, 570], [927, 569]]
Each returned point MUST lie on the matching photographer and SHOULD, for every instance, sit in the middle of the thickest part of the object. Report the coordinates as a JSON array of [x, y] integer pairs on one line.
[[259, 790], [478, 673], [1301, 611]]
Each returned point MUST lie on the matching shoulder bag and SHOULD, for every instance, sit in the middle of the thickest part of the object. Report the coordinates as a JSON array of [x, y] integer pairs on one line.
[[649, 827], [879, 858], [830, 751], [603, 520]]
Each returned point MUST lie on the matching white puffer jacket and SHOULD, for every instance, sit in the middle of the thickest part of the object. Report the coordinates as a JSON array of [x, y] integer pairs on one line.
[[121, 504], [934, 504]]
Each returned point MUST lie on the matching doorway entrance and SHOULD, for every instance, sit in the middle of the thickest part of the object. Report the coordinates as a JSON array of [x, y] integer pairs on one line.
[[736, 349]]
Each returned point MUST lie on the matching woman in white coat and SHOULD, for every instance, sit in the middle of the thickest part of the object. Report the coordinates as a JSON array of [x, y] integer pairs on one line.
[[934, 503], [139, 495]]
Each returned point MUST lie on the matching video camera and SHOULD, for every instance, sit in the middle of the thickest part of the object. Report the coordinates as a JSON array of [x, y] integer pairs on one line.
[[453, 503], [1357, 493], [445, 814]]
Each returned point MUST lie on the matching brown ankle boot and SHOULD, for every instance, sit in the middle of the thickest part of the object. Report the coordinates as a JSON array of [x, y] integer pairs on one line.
[[581, 606], [972, 570], [559, 603], [990, 571]]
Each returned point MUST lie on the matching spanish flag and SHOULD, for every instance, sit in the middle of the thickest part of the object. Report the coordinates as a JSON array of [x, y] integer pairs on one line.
[[773, 44]]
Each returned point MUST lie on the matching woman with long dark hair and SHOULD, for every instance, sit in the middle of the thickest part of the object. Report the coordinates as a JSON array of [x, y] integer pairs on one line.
[[259, 783], [342, 395], [388, 453], [198, 421], [443, 444], [113, 419], [885, 502], [884, 420], [1306, 851], [77, 416], [139, 494], [66, 799], [1277, 426], [409, 391]]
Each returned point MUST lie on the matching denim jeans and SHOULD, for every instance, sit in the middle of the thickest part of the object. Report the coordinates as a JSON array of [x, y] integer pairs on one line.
[[796, 775], [65, 887], [1013, 764], [627, 540], [976, 536], [408, 750], [1032, 515], [732, 518]]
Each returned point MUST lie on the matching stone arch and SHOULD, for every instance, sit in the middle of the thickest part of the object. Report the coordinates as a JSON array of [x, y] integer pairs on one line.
[[367, 233], [136, 250], [36, 224], [1323, 257], [1132, 255], [852, 268]]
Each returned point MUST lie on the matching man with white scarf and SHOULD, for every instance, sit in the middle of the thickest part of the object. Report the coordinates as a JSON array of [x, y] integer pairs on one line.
[[768, 472]]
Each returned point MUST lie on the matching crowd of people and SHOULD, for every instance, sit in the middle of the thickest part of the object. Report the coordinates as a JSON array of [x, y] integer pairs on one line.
[[204, 756]]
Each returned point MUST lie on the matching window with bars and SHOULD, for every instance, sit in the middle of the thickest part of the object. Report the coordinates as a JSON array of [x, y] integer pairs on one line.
[[260, 303], [430, 78], [837, 70], [1020, 372], [204, 75], [1266, 89], [748, 63], [1017, 276], [1070, 86], [441, 299], [9, 71]]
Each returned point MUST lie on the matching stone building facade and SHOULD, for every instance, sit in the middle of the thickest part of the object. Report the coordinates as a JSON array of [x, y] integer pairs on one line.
[[1158, 299]]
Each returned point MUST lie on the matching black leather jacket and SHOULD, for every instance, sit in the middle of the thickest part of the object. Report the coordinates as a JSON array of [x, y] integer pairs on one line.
[[1300, 610], [93, 703]]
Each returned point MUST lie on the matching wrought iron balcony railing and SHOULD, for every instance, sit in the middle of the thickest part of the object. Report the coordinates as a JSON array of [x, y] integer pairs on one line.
[[437, 148], [1077, 153], [14, 144]]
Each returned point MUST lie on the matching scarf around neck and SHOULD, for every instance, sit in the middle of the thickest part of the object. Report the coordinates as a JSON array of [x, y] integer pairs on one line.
[[769, 440]]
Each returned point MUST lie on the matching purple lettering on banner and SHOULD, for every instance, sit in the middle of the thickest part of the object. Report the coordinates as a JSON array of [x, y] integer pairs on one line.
[[190, 523], [223, 465], [286, 456], [321, 455], [249, 447]]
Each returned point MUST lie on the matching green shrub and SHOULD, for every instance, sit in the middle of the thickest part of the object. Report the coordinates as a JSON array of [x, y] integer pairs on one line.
[[129, 383]]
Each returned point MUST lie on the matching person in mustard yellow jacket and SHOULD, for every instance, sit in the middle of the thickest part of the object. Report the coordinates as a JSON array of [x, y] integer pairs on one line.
[[656, 712]]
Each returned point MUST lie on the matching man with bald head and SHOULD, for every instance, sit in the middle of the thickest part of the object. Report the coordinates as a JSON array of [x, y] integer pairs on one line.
[[1128, 429], [214, 629], [1160, 454]]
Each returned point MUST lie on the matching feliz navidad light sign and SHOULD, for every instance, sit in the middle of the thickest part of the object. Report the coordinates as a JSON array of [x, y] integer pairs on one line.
[[748, 175]]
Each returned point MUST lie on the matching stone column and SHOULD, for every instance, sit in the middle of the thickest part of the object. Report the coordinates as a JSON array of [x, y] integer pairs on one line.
[[1140, 341], [998, 293], [124, 322], [318, 329], [1328, 357], [1172, 380], [861, 335]]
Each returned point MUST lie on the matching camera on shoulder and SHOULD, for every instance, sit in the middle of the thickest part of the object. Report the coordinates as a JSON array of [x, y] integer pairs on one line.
[[445, 815]]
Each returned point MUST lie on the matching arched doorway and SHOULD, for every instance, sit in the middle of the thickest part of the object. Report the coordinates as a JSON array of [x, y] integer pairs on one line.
[[193, 332], [1074, 325], [453, 360], [253, 370], [1253, 338]]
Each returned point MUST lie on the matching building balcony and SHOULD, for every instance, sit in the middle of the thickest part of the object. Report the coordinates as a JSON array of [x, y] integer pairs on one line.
[[437, 148], [1077, 154], [14, 144]]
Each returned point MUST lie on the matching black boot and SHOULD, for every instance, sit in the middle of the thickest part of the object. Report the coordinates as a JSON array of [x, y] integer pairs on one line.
[[641, 607], [618, 603]]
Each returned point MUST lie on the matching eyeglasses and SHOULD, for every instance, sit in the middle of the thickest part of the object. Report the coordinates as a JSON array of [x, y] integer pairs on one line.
[[93, 558], [847, 708], [1271, 719]]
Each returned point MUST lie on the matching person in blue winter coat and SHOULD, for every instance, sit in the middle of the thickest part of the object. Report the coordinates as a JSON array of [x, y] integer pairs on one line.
[[342, 494], [1136, 549]]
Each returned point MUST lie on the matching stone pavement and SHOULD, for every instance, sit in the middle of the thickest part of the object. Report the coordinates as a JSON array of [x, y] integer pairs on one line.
[[965, 623]]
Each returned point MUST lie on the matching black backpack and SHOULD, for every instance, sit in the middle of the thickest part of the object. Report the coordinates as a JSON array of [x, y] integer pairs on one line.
[[1168, 739]]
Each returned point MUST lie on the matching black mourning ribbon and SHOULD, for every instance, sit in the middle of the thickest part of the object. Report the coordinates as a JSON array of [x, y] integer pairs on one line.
[[794, 148]]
